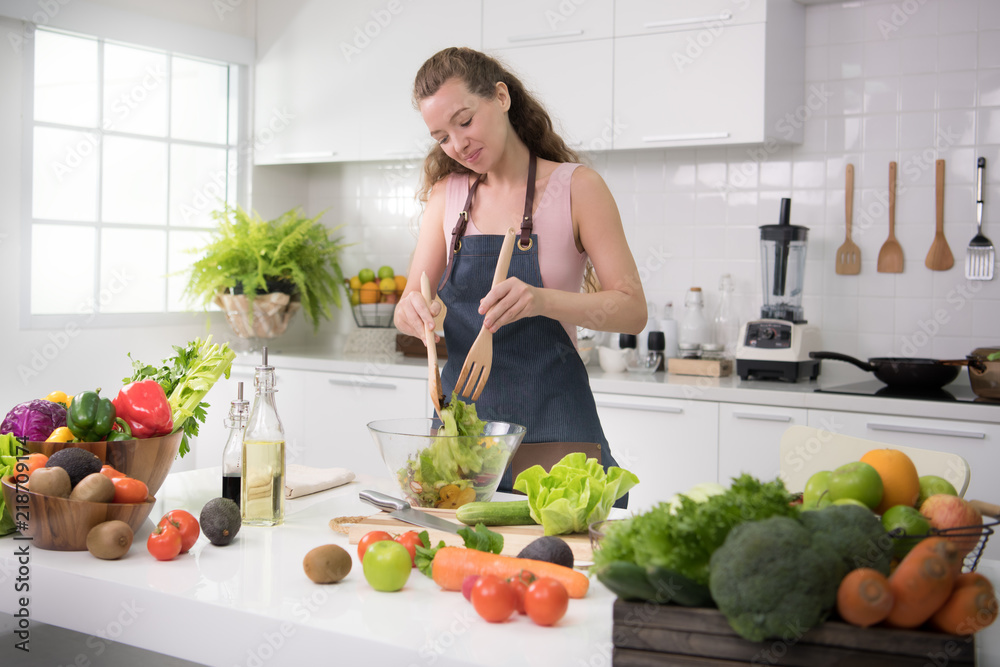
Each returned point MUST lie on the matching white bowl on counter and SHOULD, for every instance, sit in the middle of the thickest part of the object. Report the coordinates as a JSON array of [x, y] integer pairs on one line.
[[612, 359]]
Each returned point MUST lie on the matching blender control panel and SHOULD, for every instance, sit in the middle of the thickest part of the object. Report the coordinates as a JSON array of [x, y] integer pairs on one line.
[[769, 335]]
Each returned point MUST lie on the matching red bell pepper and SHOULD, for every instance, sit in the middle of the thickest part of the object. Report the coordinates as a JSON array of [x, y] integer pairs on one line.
[[144, 407]]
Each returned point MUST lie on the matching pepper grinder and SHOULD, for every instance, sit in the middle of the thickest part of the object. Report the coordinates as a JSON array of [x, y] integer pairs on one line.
[[657, 343], [628, 343]]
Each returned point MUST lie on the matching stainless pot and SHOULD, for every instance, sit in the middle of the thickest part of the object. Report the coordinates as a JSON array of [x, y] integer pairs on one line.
[[985, 376]]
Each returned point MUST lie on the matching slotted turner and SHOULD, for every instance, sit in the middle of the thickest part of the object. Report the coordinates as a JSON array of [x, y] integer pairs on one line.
[[849, 254], [433, 374], [476, 369], [980, 256]]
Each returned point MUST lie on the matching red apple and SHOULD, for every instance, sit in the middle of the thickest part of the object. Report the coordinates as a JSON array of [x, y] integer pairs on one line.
[[947, 512]]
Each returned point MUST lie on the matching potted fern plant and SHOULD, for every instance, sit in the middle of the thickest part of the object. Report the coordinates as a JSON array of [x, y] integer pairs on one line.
[[260, 272]]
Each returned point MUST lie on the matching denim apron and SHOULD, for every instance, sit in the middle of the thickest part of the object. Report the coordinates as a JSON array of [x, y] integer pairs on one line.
[[537, 379]]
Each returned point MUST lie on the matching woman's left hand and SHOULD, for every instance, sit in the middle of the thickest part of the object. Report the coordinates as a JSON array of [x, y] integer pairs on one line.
[[509, 301]]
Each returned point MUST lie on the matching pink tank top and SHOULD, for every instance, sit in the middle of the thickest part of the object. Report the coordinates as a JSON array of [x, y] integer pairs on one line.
[[559, 261]]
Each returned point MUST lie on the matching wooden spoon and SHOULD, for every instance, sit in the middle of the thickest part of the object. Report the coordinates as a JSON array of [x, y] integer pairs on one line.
[[848, 254], [939, 257], [890, 257]]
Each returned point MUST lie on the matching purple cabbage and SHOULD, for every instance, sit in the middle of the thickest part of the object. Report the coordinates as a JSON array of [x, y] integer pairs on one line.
[[34, 420]]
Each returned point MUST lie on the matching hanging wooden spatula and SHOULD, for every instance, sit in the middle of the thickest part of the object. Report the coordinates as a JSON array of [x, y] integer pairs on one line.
[[890, 257], [939, 257], [433, 374], [849, 254]]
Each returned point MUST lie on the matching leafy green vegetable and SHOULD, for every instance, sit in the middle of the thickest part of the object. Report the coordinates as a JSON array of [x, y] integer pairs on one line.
[[574, 493], [186, 378], [994, 356], [480, 539], [10, 449], [685, 540], [460, 418]]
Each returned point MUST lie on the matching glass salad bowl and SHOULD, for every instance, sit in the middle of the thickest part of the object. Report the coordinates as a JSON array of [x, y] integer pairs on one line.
[[445, 471]]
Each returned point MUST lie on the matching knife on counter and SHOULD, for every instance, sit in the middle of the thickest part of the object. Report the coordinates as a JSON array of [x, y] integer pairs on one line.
[[400, 509]]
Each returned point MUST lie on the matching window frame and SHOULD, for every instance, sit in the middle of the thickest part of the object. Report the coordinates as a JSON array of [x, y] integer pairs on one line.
[[243, 148]]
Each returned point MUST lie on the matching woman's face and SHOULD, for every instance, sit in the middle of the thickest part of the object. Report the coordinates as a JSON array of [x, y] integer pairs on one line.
[[470, 129]]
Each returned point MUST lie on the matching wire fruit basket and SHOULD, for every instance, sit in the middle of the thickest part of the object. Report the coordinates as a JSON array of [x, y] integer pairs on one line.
[[964, 536], [376, 315]]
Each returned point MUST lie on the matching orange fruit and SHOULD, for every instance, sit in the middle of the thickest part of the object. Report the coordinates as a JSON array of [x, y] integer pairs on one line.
[[900, 482], [369, 293], [400, 284]]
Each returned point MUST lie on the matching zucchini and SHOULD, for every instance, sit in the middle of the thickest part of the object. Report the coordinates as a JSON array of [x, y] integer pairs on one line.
[[513, 513]]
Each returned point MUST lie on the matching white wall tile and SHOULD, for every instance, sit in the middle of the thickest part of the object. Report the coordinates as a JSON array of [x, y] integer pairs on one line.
[[956, 127], [881, 95], [881, 132], [957, 90], [847, 24], [917, 55], [988, 87], [881, 58], [958, 16], [917, 92], [817, 63], [989, 48], [956, 52], [989, 15], [845, 61]]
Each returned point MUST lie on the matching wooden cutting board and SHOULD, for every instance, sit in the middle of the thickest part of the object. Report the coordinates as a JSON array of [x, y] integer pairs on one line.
[[515, 538]]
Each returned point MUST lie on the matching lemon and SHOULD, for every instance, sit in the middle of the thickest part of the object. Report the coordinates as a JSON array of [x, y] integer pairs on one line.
[[355, 282], [387, 285]]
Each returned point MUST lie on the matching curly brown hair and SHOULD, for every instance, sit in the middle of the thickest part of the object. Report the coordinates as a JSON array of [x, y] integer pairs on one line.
[[481, 73]]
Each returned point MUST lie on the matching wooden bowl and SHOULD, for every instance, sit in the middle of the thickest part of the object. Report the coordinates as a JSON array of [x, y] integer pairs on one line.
[[61, 524], [146, 460]]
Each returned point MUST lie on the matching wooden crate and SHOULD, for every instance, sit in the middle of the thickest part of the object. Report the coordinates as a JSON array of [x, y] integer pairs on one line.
[[649, 634], [716, 368]]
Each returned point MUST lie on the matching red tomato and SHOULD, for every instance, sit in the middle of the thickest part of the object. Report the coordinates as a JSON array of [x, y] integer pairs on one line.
[[519, 584], [111, 473], [493, 599], [186, 524], [128, 490], [411, 540], [33, 463], [369, 539], [164, 542], [546, 601]]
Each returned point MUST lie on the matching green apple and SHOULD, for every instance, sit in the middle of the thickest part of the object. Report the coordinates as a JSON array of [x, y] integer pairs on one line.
[[366, 276], [385, 272], [909, 522], [850, 501], [932, 485], [817, 487], [857, 480]]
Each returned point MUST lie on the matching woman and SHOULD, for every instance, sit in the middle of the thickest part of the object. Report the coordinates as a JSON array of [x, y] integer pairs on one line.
[[496, 164]]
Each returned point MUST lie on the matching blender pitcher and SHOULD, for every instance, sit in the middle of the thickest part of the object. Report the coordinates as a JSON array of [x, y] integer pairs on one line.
[[783, 267]]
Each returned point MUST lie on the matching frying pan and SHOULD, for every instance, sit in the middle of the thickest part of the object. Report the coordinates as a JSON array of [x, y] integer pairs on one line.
[[902, 371]]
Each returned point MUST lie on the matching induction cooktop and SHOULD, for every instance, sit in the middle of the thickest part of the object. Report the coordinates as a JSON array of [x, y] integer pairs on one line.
[[953, 392]]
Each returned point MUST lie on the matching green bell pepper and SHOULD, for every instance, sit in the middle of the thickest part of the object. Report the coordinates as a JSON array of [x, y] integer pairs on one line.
[[90, 417], [122, 432]]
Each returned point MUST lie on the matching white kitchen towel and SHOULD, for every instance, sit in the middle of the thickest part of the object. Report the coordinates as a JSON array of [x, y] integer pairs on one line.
[[303, 480]]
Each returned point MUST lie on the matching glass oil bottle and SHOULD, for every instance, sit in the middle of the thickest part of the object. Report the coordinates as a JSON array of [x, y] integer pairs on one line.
[[232, 455], [263, 487]]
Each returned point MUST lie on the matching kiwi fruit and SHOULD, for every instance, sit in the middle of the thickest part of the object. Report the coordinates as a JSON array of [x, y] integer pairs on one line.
[[50, 482], [220, 521], [77, 462], [327, 564], [94, 488], [109, 540]]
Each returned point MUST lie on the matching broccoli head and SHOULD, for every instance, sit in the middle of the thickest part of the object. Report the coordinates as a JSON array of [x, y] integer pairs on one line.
[[770, 579], [852, 532]]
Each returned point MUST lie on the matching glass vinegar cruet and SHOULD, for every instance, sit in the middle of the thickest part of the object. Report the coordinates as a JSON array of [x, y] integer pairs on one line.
[[262, 490]]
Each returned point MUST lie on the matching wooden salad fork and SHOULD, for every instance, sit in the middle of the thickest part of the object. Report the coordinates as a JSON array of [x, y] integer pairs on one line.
[[476, 369], [433, 374], [848, 254]]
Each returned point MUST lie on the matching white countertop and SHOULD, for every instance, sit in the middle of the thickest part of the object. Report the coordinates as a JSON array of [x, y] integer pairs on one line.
[[661, 385]]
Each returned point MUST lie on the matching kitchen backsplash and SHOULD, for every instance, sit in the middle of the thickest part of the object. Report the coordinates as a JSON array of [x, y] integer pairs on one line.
[[911, 81]]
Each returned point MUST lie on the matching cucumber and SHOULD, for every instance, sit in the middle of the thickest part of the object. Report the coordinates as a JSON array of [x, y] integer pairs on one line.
[[513, 513], [671, 586], [626, 580]]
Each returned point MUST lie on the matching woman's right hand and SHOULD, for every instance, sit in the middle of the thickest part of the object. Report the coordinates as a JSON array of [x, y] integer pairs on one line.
[[413, 317]]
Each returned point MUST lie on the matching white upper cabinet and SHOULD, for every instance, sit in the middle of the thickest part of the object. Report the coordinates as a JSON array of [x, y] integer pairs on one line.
[[334, 78], [697, 73], [512, 23]]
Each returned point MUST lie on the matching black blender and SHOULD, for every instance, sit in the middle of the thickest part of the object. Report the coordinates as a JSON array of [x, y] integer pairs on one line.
[[777, 346]]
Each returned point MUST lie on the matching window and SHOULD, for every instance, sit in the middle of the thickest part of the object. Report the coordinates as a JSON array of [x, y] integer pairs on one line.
[[131, 150]]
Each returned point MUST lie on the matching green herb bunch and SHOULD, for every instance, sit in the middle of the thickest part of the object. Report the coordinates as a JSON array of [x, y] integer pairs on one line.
[[248, 251]]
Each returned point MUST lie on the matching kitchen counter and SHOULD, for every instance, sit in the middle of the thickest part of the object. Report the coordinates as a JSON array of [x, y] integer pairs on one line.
[[659, 385], [251, 604]]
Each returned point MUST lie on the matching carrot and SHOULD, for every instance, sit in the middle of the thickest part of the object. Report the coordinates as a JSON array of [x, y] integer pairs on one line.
[[864, 598], [452, 564], [922, 582], [972, 579], [971, 607]]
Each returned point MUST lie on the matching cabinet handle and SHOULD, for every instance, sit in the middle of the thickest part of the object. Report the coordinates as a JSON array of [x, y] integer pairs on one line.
[[651, 25], [685, 137], [304, 155], [641, 406], [544, 35], [361, 385], [759, 416], [926, 431]]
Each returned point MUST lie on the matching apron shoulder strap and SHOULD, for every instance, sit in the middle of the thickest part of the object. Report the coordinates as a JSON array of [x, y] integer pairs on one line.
[[524, 241], [458, 231]]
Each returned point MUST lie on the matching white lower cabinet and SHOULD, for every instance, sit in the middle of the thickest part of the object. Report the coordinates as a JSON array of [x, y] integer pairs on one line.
[[337, 413], [978, 443], [749, 437], [670, 444]]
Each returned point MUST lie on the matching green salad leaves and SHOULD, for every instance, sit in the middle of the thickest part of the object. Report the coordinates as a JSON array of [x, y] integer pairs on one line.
[[683, 540], [10, 449], [574, 493]]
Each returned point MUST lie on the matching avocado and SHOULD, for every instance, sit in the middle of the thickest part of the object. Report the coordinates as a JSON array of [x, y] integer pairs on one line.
[[220, 521], [550, 549], [77, 462]]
